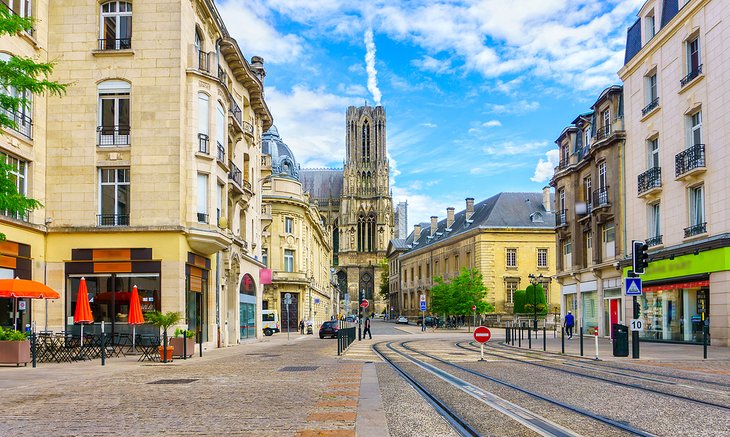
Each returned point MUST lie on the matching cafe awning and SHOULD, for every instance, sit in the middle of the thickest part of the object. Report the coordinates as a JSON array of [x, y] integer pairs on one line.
[[26, 289]]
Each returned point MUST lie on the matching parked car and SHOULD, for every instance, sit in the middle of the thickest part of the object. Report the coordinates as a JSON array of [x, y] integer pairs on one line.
[[329, 328], [431, 321], [270, 319], [351, 319], [402, 319]]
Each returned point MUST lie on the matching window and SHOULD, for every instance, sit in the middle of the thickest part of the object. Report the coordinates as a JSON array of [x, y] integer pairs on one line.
[[23, 116], [606, 115], [115, 32], [602, 182], [587, 137], [220, 134], [114, 197], [202, 206], [588, 248], [693, 56], [446, 266], [413, 276], [203, 123], [288, 260], [649, 28], [436, 268], [651, 93], [419, 273], [21, 8], [695, 129], [219, 196], [654, 153], [542, 259], [564, 155], [265, 257], [697, 205], [456, 263], [561, 200], [114, 114], [17, 177], [609, 241], [428, 272], [587, 192], [567, 255], [510, 286], [654, 226], [288, 225], [511, 258]]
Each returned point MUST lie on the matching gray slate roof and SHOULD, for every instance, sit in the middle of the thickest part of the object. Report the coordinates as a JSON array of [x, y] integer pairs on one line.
[[504, 210], [322, 183]]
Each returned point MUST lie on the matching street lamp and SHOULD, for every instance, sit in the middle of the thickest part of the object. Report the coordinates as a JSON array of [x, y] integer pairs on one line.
[[534, 280]]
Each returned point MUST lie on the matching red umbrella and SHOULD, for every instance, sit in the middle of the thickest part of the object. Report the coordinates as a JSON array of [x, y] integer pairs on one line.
[[25, 288], [82, 315], [135, 313]]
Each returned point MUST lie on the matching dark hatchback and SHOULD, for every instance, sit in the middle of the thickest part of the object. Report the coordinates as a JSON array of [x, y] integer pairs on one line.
[[329, 328]]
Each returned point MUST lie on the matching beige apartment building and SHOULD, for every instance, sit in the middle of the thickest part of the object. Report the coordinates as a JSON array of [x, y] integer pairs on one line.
[[589, 221], [296, 245], [149, 168], [676, 92], [506, 237]]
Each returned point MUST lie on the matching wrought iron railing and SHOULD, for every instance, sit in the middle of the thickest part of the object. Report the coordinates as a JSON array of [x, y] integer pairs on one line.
[[113, 219], [600, 197], [562, 217], [697, 229], [115, 43], [235, 174], [654, 241], [203, 61], [236, 112], [654, 103], [651, 178], [222, 76], [562, 164], [221, 156], [689, 159], [603, 132], [692, 74], [203, 143], [589, 206], [23, 123], [202, 217], [247, 128], [22, 216], [112, 135]]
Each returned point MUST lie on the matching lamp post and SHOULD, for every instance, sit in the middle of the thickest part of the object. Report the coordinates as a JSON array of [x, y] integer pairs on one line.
[[534, 280]]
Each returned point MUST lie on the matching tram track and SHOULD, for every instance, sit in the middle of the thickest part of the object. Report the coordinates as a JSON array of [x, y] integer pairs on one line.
[[518, 413], [510, 355]]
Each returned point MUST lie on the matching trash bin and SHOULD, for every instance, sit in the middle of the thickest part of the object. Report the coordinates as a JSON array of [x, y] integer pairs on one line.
[[620, 335]]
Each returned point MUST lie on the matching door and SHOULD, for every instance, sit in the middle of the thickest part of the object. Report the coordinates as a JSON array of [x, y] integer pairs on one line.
[[615, 305], [290, 319]]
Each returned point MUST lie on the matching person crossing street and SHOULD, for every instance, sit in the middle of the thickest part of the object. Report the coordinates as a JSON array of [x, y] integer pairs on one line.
[[367, 329], [569, 323]]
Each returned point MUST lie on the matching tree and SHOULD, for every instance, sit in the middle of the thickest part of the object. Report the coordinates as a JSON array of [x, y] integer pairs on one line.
[[19, 78], [525, 300], [458, 296], [384, 279]]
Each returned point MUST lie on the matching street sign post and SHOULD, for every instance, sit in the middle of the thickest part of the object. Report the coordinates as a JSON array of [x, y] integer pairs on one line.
[[637, 325], [423, 306], [633, 286], [474, 316], [482, 335]]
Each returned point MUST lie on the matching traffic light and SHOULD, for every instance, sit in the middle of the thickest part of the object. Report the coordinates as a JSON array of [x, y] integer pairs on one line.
[[639, 257]]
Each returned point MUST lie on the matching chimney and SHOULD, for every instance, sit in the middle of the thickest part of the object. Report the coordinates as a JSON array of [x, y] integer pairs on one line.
[[257, 65], [469, 207], [449, 217], [546, 199], [434, 224], [416, 232]]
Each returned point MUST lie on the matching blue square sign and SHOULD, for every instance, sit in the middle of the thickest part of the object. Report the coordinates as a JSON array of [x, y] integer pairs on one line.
[[633, 286], [423, 306]]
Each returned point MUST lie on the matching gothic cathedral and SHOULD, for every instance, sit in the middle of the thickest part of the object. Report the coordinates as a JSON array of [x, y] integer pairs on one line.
[[356, 206]]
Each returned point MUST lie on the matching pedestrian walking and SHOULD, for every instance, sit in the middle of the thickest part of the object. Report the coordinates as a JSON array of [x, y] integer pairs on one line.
[[301, 326], [367, 329], [569, 323]]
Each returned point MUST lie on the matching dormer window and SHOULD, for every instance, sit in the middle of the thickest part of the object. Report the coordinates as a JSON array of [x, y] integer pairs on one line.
[[649, 26]]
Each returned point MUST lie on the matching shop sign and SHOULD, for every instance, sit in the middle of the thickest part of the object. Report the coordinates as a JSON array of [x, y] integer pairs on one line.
[[692, 284]]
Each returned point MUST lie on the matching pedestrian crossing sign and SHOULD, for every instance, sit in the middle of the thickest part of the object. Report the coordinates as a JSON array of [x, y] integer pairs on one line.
[[633, 286]]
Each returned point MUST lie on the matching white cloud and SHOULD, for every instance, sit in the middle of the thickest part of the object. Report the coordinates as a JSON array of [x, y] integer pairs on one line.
[[512, 148], [492, 123], [429, 125], [519, 107], [545, 168], [370, 66], [420, 206], [312, 123]]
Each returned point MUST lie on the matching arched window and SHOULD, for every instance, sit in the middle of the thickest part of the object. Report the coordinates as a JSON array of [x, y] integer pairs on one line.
[[366, 141], [361, 233], [370, 233], [198, 40], [114, 113], [115, 32]]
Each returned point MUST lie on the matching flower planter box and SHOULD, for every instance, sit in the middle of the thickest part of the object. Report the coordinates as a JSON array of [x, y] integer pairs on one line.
[[165, 355], [15, 352], [177, 343]]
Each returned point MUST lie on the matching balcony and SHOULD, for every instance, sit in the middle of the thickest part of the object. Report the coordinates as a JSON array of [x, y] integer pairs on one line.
[[600, 198], [248, 129], [23, 123], [235, 174], [23, 216], [692, 74], [203, 144], [204, 61], [113, 219], [690, 161], [650, 181], [202, 217], [698, 229], [115, 44], [221, 155], [654, 241], [603, 132], [563, 163], [112, 136], [236, 113], [561, 218], [648, 108], [222, 76]]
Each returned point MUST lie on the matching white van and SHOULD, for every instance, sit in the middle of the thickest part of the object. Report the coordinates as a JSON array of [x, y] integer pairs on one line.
[[270, 322]]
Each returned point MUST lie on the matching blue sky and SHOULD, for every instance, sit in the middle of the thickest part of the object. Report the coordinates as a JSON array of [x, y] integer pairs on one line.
[[475, 92]]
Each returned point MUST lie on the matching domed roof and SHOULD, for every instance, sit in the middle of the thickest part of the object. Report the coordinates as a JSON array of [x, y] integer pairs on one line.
[[282, 158]]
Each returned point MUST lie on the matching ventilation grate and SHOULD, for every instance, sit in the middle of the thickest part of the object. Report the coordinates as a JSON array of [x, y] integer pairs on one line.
[[173, 381], [299, 369]]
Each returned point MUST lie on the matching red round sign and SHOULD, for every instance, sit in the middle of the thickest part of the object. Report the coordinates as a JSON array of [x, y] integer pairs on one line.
[[482, 334], [474, 308], [365, 303]]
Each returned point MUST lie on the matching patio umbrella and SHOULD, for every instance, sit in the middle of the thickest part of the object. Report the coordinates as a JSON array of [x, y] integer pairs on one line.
[[82, 315], [25, 289], [135, 314]]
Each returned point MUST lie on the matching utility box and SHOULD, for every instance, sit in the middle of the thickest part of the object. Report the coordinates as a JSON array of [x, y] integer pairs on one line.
[[620, 335]]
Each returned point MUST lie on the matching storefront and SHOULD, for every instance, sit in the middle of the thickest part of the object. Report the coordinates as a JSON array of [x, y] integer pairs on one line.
[[15, 262], [675, 311], [197, 272], [589, 306], [247, 307]]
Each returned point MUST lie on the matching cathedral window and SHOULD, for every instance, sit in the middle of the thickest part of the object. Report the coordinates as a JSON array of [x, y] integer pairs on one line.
[[366, 142]]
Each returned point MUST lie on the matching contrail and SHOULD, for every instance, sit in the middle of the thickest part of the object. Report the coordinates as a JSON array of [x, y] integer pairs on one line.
[[370, 66]]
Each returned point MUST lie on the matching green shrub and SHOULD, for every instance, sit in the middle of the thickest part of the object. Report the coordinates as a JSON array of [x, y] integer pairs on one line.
[[188, 334], [8, 334]]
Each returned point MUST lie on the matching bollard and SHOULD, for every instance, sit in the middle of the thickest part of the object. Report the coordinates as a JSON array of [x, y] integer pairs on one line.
[[544, 338], [562, 340], [705, 328], [595, 335], [33, 347], [581, 340], [200, 339], [519, 339], [529, 336], [185, 344], [506, 334]]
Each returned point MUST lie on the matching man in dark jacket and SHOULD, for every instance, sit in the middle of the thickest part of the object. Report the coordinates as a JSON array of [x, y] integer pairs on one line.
[[569, 323], [367, 328]]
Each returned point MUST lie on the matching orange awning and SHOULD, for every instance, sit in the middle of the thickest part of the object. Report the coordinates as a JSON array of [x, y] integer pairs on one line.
[[25, 288]]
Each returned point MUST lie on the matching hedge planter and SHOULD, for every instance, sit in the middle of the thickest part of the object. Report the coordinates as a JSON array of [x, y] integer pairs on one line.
[[15, 352], [177, 343]]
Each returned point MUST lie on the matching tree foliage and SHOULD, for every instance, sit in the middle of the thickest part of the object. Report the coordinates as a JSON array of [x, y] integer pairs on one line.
[[525, 300], [25, 77], [458, 296], [384, 279]]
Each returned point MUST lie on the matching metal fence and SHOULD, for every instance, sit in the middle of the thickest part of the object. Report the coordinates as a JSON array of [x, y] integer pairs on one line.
[[345, 337]]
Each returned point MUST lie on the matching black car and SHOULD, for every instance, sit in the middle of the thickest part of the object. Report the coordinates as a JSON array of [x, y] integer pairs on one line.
[[329, 328], [431, 321]]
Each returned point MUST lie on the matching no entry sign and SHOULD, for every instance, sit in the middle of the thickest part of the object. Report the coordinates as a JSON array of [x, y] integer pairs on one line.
[[365, 303], [482, 334]]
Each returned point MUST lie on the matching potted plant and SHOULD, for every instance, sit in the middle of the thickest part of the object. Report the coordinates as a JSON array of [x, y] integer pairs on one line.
[[189, 343], [14, 347], [164, 321]]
